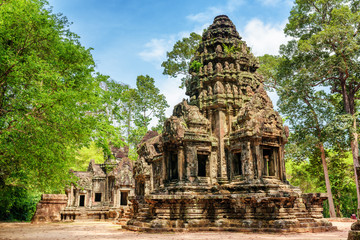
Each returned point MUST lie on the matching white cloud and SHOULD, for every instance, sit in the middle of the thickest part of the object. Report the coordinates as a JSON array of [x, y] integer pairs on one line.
[[155, 50], [264, 38], [232, 5], [205, 16], [208, 15]]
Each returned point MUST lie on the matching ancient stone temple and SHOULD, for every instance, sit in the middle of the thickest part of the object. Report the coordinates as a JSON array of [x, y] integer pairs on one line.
[[102, 191], [219, 163]]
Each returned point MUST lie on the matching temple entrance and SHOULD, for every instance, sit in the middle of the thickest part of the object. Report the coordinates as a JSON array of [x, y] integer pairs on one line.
[[97, 197], [270, 162], [202, 165], [124, 198], [82, 201], [173, 166], [237, 164]]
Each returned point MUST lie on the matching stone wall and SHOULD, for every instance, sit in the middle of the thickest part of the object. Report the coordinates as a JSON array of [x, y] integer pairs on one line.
[[49, 207]]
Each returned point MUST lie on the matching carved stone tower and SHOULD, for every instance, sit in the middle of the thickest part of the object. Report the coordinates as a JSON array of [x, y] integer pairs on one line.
[[219, 163], [229, 93]]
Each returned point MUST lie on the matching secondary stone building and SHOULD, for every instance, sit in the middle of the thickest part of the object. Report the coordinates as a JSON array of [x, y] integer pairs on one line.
[[219, 163], [102, 191]]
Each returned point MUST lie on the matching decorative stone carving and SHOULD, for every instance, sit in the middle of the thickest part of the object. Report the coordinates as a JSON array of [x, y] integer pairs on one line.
[[219, 68], [210, 91], [218, 49], [228, 88], [219, 88], [210, 67], [226, 67]]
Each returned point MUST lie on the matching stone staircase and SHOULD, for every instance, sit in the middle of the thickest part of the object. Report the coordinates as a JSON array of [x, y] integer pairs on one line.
[[310, 224], [126, 216]]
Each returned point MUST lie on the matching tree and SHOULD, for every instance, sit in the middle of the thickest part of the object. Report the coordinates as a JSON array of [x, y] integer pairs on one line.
[[134, 108], [309, 112], [328, 40], [149, 104], [178, 60], [304, 169], [50, 99]]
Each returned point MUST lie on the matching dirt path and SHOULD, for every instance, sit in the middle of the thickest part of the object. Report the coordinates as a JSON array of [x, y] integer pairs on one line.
[[106, 231]]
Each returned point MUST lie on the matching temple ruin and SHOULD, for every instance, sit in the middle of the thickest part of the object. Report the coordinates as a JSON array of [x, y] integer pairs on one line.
[[219, 163], [102, 191]]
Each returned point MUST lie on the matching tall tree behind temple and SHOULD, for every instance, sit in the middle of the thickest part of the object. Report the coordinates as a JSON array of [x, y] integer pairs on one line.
[[328, 44], [134, 108], [310, 113], [178, 60], [150, 103]]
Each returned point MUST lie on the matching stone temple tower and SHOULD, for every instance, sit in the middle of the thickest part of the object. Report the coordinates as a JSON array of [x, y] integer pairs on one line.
[[219, 163]]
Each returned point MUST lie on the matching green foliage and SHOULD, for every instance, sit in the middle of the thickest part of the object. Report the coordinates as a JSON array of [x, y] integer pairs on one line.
[[134, 109], [51, 101], [316, 77], [195, 66], [230, 50], [303, 168], [268, 68], [17, 203], [178, 60], [85, 154]]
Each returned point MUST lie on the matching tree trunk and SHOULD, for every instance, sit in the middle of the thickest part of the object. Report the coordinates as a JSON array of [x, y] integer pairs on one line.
[[327, 181], [350, 109], [355, 153], [128, 125]]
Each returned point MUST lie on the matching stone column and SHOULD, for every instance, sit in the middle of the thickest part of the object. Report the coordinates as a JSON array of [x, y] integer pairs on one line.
[[70, 196], [181, 159], [220, 133], [282, 170], [90, 198], [247, 165], [259, 160], [164, 169]]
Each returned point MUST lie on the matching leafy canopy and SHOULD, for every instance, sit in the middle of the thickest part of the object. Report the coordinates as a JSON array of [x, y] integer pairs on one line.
[[50, 99], [178, 60]]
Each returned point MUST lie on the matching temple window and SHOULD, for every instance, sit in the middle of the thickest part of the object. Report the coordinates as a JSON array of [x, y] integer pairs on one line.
[[173, 166], [82, 201], [269, 157], [97, 197], [202, 165], [124, 198], [237, 164]]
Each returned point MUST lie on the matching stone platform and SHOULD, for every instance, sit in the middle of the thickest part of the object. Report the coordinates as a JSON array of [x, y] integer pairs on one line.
[[221, 210]]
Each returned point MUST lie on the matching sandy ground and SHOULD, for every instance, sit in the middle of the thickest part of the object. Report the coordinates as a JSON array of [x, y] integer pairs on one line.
[[106, 230]]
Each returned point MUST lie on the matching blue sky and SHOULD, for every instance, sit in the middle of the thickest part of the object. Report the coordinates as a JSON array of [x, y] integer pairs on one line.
[[131, 37]]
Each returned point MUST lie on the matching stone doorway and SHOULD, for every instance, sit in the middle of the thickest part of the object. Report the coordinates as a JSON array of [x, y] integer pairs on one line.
[[82, 201], [237, 164], [202, 165], [124, 198], [173, 166]]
